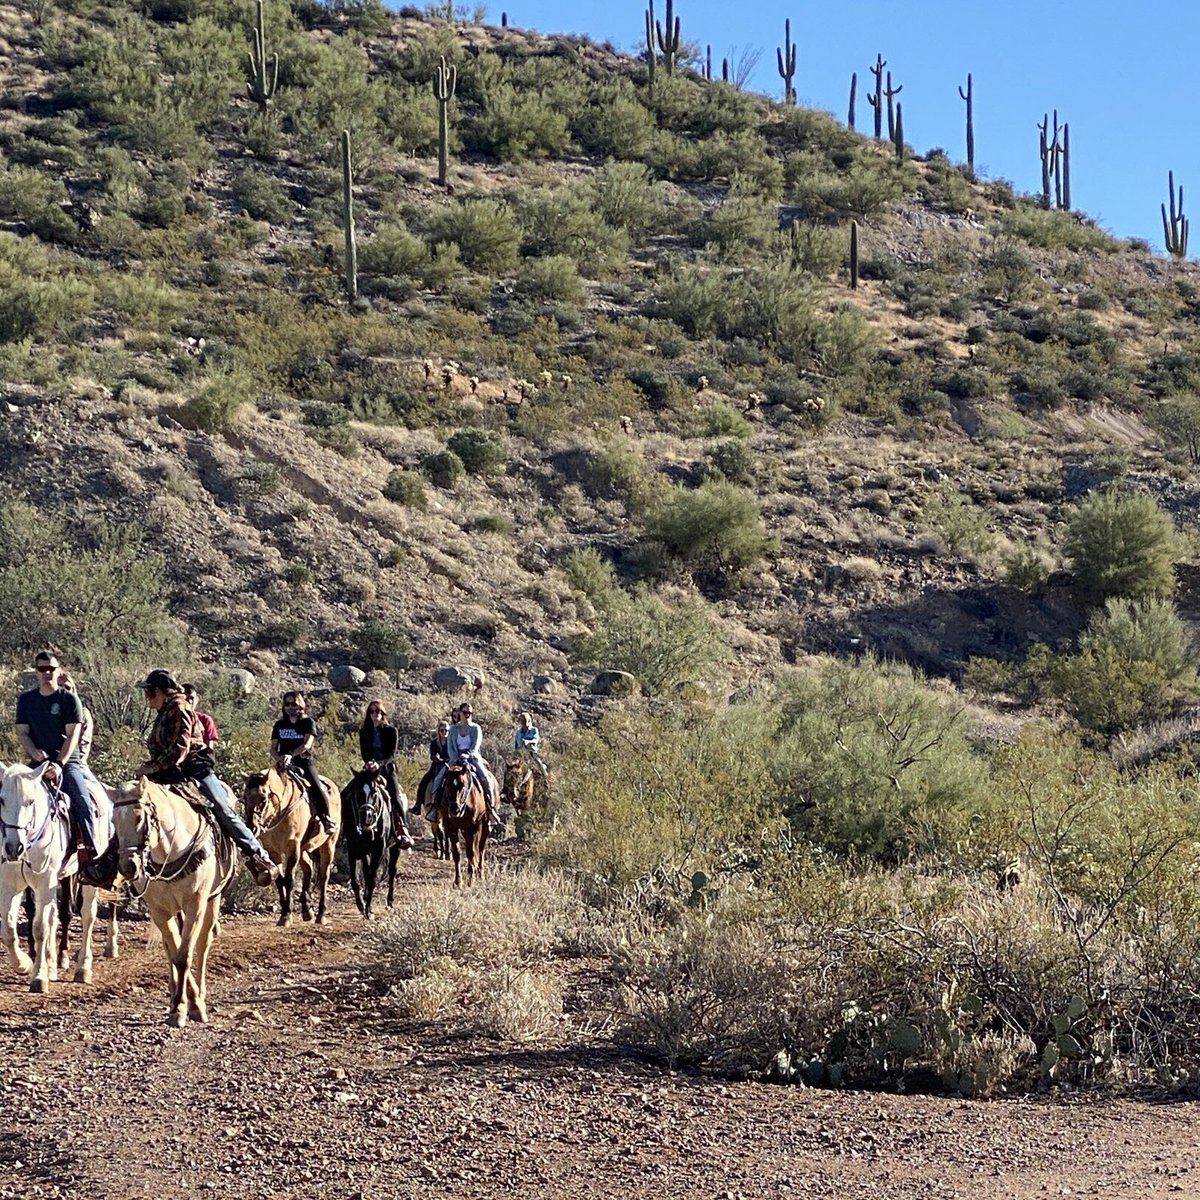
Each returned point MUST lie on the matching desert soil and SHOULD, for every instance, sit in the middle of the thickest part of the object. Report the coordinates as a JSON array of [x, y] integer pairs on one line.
[[304, 1085]]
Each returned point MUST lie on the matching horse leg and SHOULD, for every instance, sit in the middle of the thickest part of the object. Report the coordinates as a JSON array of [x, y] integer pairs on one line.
[[452, 834], [324, 864], [198, 1009], [371, 871], [484, 834], [45, 959], [112, 943], [168, 936], [353, 858], [306, 874], [178, 1015], [65, 897], [284, 884], [83, 960], [393, 856], [12, 903]]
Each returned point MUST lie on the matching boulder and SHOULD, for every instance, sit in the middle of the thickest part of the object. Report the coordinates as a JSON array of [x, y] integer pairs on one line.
[[243, 681], [614, 683], [545, 686], [455, 678], [345, 678]]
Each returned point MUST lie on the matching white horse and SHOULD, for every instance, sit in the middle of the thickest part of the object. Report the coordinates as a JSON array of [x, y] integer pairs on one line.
[[35, 853]]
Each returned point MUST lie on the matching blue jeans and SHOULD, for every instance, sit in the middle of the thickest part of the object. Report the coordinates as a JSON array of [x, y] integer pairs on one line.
[[233, 825], [75, 784]]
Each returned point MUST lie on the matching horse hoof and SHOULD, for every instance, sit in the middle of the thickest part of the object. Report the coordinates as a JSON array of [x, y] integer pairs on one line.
[[177, 1020], [283, 921], [306, 916], [83, 975], [324, 920], [24, 964], [64, 961], [199, 1015], [112, 952], [39, 986]]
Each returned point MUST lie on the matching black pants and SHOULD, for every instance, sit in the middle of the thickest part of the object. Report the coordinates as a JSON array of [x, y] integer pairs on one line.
[[317, 796]]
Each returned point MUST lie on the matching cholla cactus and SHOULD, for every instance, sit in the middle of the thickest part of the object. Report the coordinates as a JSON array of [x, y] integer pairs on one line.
[[195, 347], [428, 367], [525, 389], [449, 371], [474, 382], [702, 383], [547, 377], [566, 380]]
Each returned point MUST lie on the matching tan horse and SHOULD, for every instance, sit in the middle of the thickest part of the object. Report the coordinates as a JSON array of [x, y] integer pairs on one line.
[[278, 810], [462, 808], [179, 864]]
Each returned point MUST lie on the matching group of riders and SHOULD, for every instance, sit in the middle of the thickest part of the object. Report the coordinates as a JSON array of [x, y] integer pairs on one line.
[[55, 727]]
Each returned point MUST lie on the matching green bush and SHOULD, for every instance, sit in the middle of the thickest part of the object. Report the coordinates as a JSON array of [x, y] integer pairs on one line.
[[215, 408], [1054, 230], [615, 124], [407, 488], [480, 451], [662, 643], [590, 573], [263, 196], [626, 197], [494, 523], [515, 126], [715, 530], [563, 223], [484, 231], [1121, 545], [554, 278], [1178, 419], [732, 458], [723, 420], [444, 468], [965, 525], [381, 646]]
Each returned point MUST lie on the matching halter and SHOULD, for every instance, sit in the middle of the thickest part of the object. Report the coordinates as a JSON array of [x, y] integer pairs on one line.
[[173, 868], [371, 811], [53, 812], [301, 795]]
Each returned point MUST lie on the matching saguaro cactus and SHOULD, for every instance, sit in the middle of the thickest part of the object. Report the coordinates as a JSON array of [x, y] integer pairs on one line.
[[724, 70], [969, 97], [445, 80], [853, 98], [898, 131], [1175, 229], [891, 94], [708, 63], [786, 57], [651, 52], [854, 255], [1065, 157], [669, 38], [877, 99], [264, 77], [1048, 147], [348, 218]]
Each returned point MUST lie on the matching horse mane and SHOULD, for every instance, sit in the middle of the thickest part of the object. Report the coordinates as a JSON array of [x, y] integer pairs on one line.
[[256, 779]]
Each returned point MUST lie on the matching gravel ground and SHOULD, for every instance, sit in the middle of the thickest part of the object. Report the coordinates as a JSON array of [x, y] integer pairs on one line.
[[303, 1085]]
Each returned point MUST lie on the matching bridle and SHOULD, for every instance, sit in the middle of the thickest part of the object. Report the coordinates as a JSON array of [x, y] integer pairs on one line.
[[54, 811], [300, 794], [174, 868]]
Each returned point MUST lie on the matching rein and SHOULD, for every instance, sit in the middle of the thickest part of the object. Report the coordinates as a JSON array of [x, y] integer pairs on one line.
[[54, 812], [175, 868], [291, 804]]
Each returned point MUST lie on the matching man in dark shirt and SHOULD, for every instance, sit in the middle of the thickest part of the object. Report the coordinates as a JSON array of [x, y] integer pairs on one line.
[[49, 724], [207, 724]]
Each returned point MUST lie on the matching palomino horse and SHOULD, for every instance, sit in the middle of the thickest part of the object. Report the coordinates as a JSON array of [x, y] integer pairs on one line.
[[278, 811], [179, 864], [462, 808], [35, 825], [367, 805]]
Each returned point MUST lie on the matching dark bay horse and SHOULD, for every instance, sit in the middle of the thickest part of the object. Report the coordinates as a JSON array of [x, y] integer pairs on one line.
[[367, 834], [462, 809]]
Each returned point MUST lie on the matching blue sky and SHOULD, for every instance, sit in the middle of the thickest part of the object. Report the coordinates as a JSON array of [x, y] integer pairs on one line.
[[1123, 74]]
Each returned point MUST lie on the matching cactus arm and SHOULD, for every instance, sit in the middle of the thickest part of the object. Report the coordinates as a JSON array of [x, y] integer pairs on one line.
[[854, 255], [853, 97], [651, 53]]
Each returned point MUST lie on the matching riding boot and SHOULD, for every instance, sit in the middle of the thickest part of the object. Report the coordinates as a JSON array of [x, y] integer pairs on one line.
[[99, 870]]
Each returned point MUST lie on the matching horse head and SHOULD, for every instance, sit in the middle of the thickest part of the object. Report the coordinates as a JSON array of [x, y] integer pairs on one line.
[[456, 789], [261, 794], [131, 823], [20, 790], [513, 769]]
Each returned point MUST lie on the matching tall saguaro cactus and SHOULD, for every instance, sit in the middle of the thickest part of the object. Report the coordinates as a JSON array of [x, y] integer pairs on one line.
[[891, 94], [877, 99], [348, 218], [854, 255], [1175, 229], [1054, 143], [786, 57], [264, 76], [669, 39], [445, 80], [1065, 203], [853, 99], [651, 52], [969, 97], [898, 131]]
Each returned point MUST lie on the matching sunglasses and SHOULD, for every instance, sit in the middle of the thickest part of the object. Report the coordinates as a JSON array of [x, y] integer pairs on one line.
[[44, 670]]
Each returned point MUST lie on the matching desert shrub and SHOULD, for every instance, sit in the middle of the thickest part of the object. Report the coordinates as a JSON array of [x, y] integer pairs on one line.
[[1054, 230], [480, 451], [732, 458], [723, 420], [407, 488], [379, 645], [741, 226], [552, 278], [410, 119], [396, 253], [661, 642], [868, 187], [563, 222], [587, 571], [815, 248], [443, 467], [215, 407], [205, 62], [514, 126], [626, 197], [965, 526], [1027, 569], [483, 230], [617, 471], [1135, 663], [263, 196], [1121, 545], [1178, 419], [499, 523], [615, 124], [35, 198], [715, 530], [31, 306]]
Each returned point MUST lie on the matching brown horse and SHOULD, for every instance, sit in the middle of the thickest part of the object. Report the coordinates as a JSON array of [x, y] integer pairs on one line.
[[427, 807], [462, 808], [518, 786], [179, 864], [278, 811]]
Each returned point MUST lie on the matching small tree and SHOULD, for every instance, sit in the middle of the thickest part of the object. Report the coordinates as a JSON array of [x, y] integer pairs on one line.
[[381, 646], [1178, 420], [1121, 545], [481, 452], [714, 530], [444, 468]]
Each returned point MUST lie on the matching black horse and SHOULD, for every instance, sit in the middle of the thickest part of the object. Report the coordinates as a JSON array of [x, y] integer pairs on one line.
[[367, 835]]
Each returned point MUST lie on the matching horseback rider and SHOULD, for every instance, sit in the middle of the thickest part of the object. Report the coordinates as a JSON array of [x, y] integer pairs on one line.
[[49, 725], [439, 756], [378, 741], [527, 743], [207, 725], [178, 754], [87, 728], [465, 743], [292, 739]]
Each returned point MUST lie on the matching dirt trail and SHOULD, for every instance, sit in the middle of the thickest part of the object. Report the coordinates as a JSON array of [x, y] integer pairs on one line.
[[305, 1085]]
